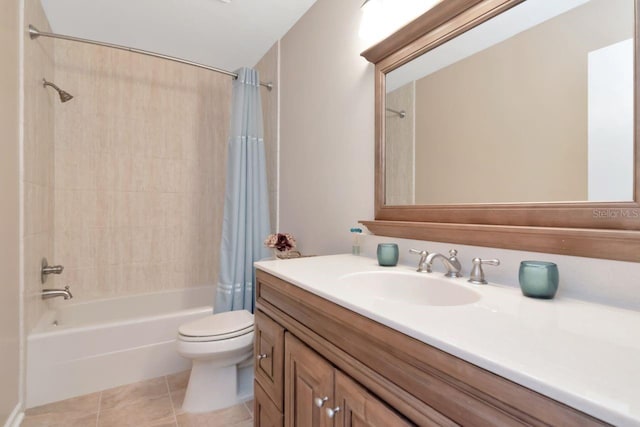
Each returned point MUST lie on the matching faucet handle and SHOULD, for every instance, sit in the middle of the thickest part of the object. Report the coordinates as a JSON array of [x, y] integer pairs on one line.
[[422, 266], [477, 274], [46, 269]]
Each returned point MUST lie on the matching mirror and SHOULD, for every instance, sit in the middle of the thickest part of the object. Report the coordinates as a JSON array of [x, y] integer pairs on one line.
[[517, 109], [542, 154]]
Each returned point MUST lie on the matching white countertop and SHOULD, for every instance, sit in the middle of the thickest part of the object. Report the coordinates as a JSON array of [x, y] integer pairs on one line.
[[582, 354]]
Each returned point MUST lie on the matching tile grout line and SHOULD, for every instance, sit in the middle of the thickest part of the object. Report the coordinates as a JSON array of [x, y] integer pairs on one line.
[[99, 408], [248, 409], [173, 408]]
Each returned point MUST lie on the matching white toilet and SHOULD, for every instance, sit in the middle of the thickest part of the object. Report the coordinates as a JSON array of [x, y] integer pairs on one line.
[[221, 346]]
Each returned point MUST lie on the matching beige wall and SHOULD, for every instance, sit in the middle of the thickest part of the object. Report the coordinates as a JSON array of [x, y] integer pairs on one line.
[[140, 156], [326, 132], [519, 112], [268, 69], [9, 209], [39, 108]]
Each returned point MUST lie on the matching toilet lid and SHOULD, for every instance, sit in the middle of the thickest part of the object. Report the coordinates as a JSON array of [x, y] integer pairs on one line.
[[219, 326]]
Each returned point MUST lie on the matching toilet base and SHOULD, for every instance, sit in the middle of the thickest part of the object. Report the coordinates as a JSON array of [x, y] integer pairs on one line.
[[212, 387]]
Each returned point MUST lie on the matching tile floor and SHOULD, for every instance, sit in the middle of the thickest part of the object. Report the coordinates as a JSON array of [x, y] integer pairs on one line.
[[151, 403]]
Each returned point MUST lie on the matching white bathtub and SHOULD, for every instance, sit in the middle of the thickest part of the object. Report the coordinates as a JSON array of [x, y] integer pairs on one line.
[[90, 346]]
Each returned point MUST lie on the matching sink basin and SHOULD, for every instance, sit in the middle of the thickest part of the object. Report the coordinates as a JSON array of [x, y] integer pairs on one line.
[[407, 288]]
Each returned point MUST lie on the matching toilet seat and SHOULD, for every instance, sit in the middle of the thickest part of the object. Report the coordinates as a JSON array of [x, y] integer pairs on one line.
[[216, 344], [217, 327]]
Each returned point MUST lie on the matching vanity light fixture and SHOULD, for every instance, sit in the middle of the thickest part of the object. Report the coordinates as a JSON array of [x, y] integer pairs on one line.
[[380, 18]]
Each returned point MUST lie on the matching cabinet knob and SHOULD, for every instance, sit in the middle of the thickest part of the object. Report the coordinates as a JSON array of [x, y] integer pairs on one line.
[[262, 356], [320, 402], [332, 412]]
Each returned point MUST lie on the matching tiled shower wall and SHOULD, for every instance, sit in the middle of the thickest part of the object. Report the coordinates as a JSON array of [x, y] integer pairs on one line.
[[38, 162], [140, 159]]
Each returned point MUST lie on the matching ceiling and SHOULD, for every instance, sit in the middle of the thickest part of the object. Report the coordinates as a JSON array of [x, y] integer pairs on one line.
[[213, 32]]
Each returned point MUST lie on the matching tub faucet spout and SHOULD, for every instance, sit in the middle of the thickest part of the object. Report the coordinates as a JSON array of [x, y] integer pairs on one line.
[[52, 293]]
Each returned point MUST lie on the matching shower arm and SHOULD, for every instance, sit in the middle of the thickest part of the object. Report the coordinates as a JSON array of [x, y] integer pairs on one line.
[[34, 33], [402, 114]]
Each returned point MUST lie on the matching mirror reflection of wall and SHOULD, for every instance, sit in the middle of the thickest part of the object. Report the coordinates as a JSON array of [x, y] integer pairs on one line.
[[400, 145], [536, 115]]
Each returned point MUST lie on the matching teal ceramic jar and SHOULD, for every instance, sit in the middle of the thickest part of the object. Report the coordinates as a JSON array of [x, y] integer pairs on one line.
[[539, 279], [388, 254]]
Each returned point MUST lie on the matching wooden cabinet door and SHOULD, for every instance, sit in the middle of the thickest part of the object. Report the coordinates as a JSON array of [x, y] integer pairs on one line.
[[307, 377], [265, 413], [359, 408], [269, 353]]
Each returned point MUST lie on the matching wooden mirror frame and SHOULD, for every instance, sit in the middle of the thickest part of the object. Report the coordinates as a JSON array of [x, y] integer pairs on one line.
[[597, 230]]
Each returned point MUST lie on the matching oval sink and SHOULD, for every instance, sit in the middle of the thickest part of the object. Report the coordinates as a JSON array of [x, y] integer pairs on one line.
[[407, 288]]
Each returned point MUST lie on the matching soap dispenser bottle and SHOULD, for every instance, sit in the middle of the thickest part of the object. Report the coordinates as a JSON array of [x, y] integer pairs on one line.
[[355, 247]]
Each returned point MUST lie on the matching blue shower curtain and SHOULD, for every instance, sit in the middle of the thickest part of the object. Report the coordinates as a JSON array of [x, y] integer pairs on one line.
[[246, 204]]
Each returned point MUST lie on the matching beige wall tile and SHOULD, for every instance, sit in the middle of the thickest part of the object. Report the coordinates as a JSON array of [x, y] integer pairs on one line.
[[399, 146], [140, 170], [40, 105]]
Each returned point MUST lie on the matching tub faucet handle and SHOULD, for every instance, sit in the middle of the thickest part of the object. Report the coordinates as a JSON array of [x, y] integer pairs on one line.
[[47, 269]]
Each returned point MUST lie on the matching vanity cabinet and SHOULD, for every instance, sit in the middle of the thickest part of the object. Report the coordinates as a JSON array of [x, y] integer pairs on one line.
[[318, 395], [308, 377], [269, 351], [265, 412], [376, 375]]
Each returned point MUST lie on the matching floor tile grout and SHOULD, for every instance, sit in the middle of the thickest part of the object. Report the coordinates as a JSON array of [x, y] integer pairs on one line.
[[107, 399], [173, 408], [99, 408]]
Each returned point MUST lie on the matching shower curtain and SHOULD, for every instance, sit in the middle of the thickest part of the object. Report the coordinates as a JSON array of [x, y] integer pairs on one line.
[[246, 204]]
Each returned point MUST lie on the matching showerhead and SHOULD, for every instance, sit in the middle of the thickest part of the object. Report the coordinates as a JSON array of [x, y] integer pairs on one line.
[[64, 96]]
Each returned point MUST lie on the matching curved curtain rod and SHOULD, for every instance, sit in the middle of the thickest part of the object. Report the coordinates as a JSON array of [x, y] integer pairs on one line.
[[34, 33]]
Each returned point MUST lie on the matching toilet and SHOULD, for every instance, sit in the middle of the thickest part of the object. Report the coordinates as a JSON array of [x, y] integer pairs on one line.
[[220, 347]]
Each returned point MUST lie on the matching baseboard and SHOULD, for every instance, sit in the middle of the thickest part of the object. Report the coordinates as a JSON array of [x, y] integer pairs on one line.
[[16, 416]]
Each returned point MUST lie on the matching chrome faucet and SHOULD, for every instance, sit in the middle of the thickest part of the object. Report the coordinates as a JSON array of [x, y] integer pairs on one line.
[[52, 293], [451, 262], [422, 267]]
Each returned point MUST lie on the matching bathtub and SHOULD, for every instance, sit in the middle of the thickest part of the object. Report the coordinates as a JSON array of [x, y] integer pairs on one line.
[[85, 347]]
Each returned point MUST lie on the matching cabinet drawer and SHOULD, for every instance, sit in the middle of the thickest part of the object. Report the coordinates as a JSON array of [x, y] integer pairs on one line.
[[269, 353], [265, 413]]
